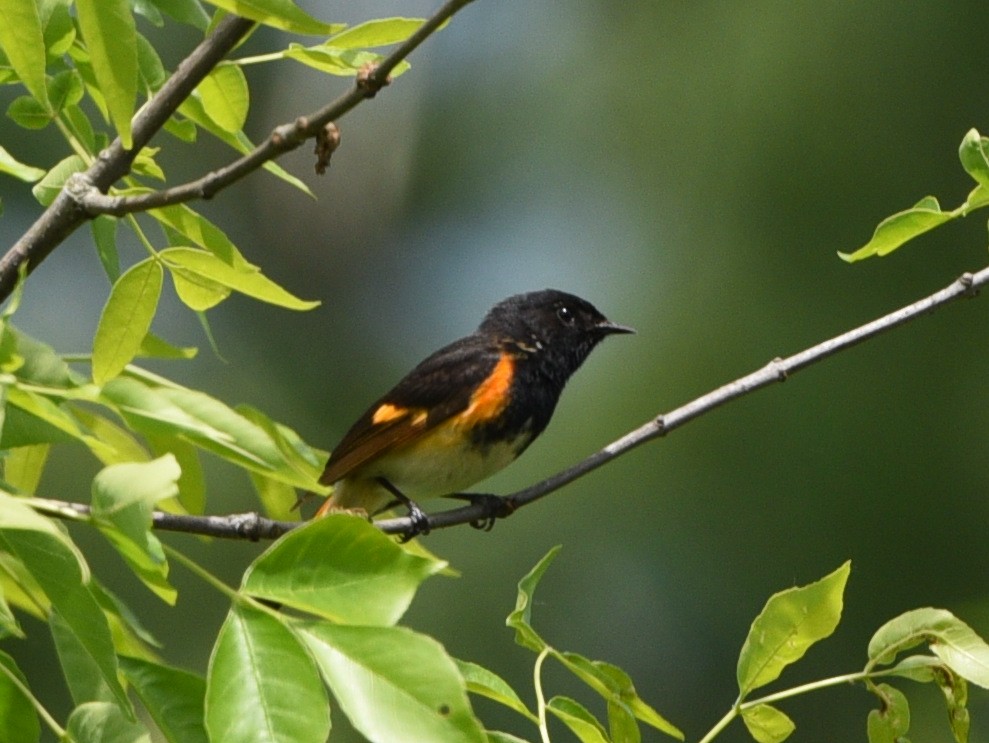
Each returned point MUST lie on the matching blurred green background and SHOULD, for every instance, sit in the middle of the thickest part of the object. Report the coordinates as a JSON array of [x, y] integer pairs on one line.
[[692, 169]]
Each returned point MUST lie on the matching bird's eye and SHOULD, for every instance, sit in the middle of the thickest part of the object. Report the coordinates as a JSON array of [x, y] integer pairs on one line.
[[566, 315]]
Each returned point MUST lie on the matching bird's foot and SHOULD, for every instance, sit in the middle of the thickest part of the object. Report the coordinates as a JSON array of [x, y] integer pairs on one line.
[[494, 507]]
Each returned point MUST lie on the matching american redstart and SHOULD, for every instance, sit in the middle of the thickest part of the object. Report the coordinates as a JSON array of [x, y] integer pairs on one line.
[[469, 409]]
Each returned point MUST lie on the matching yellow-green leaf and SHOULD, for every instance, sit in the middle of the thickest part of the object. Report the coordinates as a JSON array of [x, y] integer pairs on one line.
[[22, 41], [901, 227], [767, 724], [108, 29], [282, 14], [126, 319], [225, 97], [788, 625], [10, 165], [246, 279]]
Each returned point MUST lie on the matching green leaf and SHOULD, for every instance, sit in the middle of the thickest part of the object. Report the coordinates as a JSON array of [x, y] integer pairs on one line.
[[576, 717], [283, 14], [225, 97], [790, 623], [126, 319], [18, 720], [955, 690], [259, 679], [124, 496], [197, 292], [246, 279], [34, 419], [59, 569], [22, 467], [900, 228], [27, 112], [974, 154], [393, 684], [497, 736], [890, 723], [950, 639], [22, 41], [202, 420], [199, 231], [334, 61], [485, 683], [108, 29], [102, 722], [153, 347], [123, 445], [356, 574], [11, 166], [65, 89], [174, 698], [82, 675], [521, 619], [149, 66], [380, 32], [622, 725], [305, 460], [189, 12], [60, 30], [616, 687], [51, 185], [192, 483], [105, 237], [767, 724]]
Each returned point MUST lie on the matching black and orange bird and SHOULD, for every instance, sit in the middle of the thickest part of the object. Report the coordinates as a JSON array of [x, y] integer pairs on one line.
[[467, 410]]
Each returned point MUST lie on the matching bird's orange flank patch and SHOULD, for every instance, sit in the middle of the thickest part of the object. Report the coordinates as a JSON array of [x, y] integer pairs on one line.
[[491, 397]]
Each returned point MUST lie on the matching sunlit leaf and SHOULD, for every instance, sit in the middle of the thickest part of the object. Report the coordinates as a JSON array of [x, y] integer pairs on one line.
[[900, 228], [356, 574], [22, 41], [260, 678], [379, 32], [767, 724], [108, 29], [10, 166], [521, 619], [225, 97], [485, 683], [974, 154], [124, 496], [126, 319], [393, 684], [22, 467], [283, 14], [576, 717], [788, 625], [246, 279], [104, 230], [51, 184], [950, 639]]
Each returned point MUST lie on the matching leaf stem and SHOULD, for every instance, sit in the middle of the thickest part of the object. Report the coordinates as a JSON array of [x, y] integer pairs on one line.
[[540, 698], [38, 706]]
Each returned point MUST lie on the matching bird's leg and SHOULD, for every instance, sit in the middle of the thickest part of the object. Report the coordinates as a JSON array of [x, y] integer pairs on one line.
[[418, 517], [494, 506]]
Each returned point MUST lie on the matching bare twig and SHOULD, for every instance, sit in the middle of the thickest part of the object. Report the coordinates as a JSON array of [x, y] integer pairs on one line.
[[284, 138], [254, 527]]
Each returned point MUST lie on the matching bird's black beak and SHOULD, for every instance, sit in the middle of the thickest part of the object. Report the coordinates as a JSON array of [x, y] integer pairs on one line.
[[606, 327]]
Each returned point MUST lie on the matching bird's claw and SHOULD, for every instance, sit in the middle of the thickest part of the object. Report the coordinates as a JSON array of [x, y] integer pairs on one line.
[[494, 506]]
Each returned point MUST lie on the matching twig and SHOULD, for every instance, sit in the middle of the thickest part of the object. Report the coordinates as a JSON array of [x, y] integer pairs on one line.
[[252, 526], [85, 193], [284, 138], [65, 214]]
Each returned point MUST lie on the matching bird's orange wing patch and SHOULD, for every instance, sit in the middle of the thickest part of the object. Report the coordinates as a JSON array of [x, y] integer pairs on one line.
[[389, 426]]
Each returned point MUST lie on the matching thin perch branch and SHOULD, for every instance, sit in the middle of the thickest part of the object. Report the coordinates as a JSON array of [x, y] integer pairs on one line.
[[254, 527]]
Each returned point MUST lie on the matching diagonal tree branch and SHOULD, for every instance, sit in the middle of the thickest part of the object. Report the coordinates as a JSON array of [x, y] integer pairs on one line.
[[284, 138], [85, 195], [483, 512], [65, 214]]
